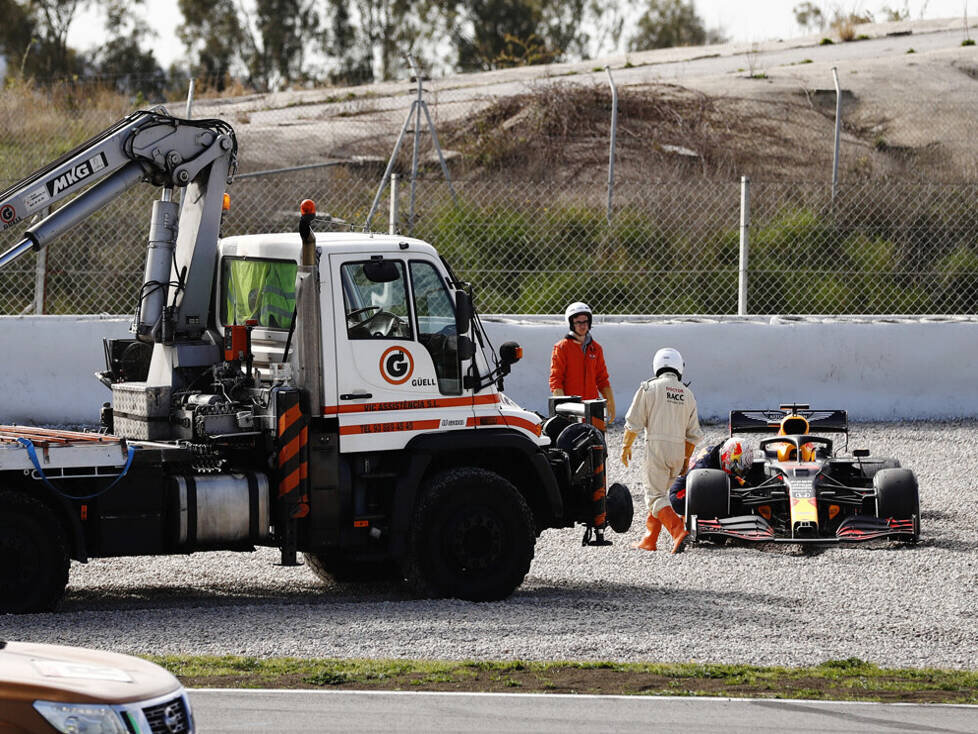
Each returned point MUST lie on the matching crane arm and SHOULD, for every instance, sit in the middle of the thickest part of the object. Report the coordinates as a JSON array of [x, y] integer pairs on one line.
[[149, 145]]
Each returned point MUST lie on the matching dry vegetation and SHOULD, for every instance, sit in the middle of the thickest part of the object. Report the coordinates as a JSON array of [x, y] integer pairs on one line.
[[560, 132]]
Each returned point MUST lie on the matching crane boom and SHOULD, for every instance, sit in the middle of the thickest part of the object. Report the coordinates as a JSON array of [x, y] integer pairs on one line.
[[152, 146]]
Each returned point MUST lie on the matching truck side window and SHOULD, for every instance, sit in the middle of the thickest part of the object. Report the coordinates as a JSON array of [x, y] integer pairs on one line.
[[375, 310], [263, 290], [436, 325]]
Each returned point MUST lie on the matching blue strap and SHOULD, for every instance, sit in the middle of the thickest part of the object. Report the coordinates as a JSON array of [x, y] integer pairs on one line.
[[32, 453]]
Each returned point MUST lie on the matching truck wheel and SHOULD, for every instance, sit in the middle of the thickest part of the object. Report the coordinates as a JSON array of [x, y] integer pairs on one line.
[[33, 556], [340, 568], [707, 494], [472, 537], [896, 494]]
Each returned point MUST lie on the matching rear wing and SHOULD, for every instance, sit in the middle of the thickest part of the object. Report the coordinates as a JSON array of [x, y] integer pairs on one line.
[[766, 421]]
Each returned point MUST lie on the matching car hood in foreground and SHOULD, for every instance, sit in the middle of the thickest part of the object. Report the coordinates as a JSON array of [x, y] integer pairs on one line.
[[30, 672]]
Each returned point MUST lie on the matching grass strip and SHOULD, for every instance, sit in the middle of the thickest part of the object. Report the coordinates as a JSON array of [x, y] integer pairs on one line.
[[840, 680]]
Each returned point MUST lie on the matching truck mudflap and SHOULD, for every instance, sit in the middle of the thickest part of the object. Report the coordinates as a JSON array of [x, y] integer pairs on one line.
[[292, 502]]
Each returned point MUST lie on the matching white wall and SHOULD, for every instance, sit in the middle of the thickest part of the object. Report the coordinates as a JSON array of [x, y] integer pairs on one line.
[[49, 364], [874, 369]]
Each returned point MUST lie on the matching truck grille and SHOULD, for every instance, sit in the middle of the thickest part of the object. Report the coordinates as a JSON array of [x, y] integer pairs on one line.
[[169, 717]]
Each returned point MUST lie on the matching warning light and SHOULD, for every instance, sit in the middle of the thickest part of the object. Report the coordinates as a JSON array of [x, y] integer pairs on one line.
[[226, 206], [308, 206]]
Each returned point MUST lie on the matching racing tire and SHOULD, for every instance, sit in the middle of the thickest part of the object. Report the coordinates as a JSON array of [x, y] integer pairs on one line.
[[341, 568], [33, 556], [472, 537], [872, 467], [897, 495], [707, 494]]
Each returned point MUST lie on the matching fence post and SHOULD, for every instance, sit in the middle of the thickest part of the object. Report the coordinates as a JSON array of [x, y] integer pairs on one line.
[[392, 227], [614, 133], [744, 244], [40, 276], [838, 125], [190, 99]]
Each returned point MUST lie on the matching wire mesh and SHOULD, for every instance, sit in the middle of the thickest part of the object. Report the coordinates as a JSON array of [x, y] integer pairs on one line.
[[530, 226]]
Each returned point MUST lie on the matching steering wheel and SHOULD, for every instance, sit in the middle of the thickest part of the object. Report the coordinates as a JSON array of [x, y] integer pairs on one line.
[[357, 312], [352, 321], [381, 324]]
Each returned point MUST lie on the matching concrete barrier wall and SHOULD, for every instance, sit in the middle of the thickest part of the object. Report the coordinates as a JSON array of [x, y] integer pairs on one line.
[[877, 370]]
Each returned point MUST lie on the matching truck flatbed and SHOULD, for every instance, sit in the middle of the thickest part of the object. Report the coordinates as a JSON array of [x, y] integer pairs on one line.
[[56, 450]]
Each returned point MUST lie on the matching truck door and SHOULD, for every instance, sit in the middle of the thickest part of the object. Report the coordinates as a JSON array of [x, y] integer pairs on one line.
[[398, 372]]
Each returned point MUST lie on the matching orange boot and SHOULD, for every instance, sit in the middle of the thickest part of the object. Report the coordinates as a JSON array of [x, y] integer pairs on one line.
[[674, 524], [653, 526]]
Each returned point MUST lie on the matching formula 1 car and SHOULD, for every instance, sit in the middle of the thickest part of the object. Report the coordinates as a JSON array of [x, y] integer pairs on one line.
[[800, 490]]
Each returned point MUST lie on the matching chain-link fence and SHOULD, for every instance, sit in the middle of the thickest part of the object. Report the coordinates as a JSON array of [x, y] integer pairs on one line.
[[527, 216]]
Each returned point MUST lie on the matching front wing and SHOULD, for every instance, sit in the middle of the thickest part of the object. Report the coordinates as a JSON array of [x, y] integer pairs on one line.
[[855, 529]]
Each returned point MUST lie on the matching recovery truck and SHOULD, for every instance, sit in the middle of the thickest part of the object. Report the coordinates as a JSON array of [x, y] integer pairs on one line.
[[332, 394]]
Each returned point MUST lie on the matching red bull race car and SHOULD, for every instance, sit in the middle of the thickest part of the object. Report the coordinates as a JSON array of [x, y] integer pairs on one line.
[[800, 489]]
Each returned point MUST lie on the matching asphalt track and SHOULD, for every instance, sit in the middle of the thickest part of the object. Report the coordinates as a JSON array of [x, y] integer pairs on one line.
[[288, 712]]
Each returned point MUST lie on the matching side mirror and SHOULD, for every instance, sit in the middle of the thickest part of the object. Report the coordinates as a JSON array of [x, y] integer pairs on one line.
[[463, 312], [381, 271], [510, 353]]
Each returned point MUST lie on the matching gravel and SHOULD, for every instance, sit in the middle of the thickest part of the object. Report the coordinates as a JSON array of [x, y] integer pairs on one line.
[[884, 602]]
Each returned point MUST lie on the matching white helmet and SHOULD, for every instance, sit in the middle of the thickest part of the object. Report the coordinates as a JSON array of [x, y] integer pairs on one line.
[[578, 307], [669, 359]]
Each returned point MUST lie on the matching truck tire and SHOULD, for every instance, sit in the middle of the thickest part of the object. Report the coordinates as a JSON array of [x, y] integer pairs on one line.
[[33, 556], [707, 494], [341, 568], [896, 494], [471, 538]]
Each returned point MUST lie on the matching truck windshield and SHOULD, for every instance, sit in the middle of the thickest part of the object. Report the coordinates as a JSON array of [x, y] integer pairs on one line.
[[263, 290]]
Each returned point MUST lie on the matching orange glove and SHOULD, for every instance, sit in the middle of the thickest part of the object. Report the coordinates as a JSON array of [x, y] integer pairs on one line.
[[626, 449]]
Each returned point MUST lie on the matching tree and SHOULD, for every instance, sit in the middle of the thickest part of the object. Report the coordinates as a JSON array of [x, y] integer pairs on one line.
[[34, 34], [582, 28], [36, 31], [130, 69], [606, 24], [286, 27], [277, 35], [122, 59], [485, 31], [391, 28], [213, 37], [668, 23], [16, 34], [809, 16]]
